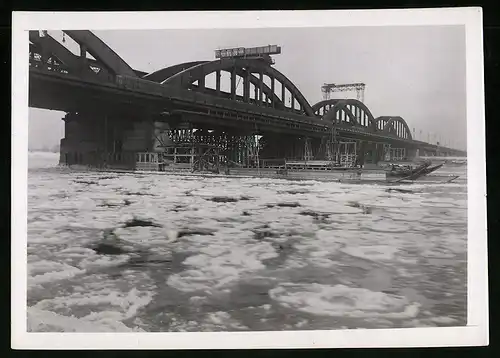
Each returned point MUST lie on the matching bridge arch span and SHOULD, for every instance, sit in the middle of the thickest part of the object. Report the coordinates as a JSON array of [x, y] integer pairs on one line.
[[244, 67], [394, 125], [351, 111], [164, 74]]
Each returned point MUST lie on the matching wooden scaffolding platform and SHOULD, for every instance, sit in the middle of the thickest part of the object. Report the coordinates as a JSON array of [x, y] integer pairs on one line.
[[197, 157]]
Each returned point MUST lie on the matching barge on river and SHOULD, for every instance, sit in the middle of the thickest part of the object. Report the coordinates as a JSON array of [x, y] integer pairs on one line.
[[208, 161]]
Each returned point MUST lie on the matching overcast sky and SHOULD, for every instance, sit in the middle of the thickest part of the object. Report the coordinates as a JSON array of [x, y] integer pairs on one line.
[[417, 73]]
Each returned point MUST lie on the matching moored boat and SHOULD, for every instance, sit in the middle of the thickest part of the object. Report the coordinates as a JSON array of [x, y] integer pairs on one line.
[[409, 172], [456, 163], [294, 170]]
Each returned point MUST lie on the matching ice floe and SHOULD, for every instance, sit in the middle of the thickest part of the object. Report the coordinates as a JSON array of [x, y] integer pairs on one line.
[[343, 301], [104, 247]]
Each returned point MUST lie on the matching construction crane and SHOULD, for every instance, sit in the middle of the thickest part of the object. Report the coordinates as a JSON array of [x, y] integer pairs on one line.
[[328, 88]]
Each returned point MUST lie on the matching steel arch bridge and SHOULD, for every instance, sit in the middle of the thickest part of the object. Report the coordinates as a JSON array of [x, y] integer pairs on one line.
[[262, 84], [246, 90]]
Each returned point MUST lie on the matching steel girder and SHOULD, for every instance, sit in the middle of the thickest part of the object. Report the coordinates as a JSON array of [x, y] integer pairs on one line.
[[101, 52]]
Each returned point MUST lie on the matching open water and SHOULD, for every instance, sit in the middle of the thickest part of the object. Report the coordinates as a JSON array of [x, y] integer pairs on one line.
[[134, 252]]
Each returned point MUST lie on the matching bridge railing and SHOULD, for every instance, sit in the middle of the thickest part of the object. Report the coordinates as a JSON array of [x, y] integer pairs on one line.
[[147, 161]]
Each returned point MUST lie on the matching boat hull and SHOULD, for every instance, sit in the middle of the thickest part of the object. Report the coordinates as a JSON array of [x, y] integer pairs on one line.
[[294, 171]]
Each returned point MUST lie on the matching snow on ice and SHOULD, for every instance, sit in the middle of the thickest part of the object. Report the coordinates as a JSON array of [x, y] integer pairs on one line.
[[134, 252]]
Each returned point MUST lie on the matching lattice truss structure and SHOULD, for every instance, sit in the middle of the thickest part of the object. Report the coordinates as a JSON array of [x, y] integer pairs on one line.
[[230, 148], [329, 88]]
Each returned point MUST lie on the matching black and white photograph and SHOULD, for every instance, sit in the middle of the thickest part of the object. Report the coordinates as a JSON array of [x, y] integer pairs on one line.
[[255, 173]]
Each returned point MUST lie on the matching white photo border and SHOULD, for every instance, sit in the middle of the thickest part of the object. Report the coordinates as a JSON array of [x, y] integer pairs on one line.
[[476, 331]]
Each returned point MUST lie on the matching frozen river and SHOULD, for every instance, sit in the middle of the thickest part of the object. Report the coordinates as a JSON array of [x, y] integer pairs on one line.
[[109, 252]]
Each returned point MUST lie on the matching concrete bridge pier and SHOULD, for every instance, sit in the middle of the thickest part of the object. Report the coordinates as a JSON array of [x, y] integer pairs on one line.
[[105, 140], [84, 141]]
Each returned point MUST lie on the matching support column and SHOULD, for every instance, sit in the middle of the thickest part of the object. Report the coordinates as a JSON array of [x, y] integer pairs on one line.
[[261, 86], [283, 94], [217, 82], [273, 104], [256, 94], [201, 82], [376, 157], [361, 153], [246, 86], [233, 83]]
